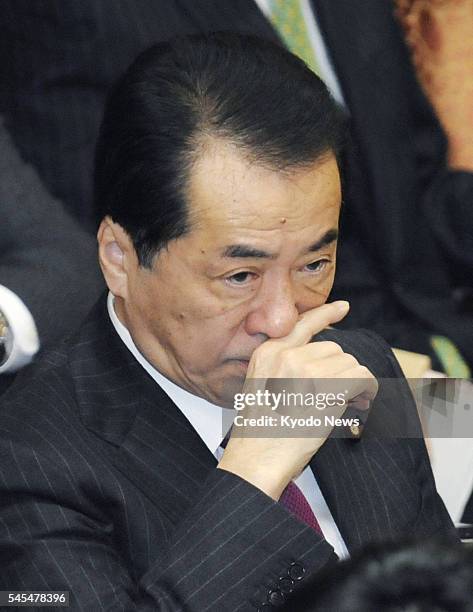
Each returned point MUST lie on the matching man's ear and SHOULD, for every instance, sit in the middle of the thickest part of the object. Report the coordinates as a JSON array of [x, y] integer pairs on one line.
[[116, 255]]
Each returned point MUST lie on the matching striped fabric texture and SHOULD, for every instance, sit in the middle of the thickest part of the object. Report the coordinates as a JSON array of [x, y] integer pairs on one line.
[[108, 492]]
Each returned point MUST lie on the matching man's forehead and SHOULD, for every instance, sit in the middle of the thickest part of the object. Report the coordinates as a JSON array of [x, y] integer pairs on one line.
[[226, 186]]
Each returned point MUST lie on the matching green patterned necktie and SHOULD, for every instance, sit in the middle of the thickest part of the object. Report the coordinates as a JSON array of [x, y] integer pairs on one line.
[[450, 357], [286, 16]]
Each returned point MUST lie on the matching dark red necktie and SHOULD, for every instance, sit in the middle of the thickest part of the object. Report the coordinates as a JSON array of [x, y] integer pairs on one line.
[[294, 500]]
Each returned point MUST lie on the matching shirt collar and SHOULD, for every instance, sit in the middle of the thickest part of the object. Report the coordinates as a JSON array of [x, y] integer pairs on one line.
[[210, 421]]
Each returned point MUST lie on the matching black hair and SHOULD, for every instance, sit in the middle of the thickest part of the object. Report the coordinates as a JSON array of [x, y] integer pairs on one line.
[[404, 577], [245, 90]]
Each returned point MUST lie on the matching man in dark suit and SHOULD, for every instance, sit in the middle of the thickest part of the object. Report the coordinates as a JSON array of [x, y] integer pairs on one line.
[[406, 251], [219, 192], [49, 277]]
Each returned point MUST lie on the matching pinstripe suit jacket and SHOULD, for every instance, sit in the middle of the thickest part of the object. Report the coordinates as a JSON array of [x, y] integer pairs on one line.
[[107, 491]]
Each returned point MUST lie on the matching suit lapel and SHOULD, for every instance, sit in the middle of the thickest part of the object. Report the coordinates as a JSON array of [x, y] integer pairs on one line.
[[141, 431], [367, 483], [367, 493], [364, 491], [167, 458]]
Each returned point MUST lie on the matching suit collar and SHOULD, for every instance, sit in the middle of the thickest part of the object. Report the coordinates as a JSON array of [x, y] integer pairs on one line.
[[146, 436], [107, 381], [210, 421]]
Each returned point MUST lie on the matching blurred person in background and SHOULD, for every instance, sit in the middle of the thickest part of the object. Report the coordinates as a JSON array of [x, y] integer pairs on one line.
[[407, 249], [394, 577], [49, 277]]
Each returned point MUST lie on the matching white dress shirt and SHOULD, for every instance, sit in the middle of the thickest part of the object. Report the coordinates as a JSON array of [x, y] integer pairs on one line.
[[22, 341], [207, 420], [452, 465]]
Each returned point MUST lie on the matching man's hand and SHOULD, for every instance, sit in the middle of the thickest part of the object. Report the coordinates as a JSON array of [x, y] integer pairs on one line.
[[439, 34], [271, 463]]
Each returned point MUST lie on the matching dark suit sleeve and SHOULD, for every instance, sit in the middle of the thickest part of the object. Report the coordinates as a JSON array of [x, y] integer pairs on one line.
[[45, 257], [226, 554]]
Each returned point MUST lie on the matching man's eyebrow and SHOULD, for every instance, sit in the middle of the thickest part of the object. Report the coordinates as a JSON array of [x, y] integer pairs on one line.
[[237, 251], [326, 239], [242, 251]]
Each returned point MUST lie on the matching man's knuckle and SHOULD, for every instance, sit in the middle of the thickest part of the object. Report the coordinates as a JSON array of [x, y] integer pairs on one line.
[[307, 370], [330, 347], [350, 360], [365, 372]]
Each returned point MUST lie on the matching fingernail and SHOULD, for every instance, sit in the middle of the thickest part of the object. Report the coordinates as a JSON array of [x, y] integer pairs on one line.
[[342, 306], [363, 404]]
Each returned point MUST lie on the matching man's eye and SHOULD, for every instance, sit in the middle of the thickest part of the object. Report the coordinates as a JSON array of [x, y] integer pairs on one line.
[[240, 278], [317, 266]]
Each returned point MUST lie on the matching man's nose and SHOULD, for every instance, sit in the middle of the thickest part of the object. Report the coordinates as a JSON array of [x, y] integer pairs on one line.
[[274, 311]]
